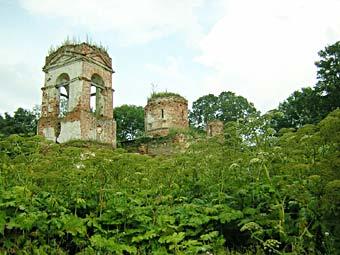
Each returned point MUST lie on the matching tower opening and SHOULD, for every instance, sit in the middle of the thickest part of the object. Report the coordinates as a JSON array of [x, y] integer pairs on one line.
[[63, 87], [97, 98], [67, 96]]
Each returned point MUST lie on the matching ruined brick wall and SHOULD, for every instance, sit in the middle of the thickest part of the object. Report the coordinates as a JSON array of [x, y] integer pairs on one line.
[[214, 128], [79, 62], [164, 113]]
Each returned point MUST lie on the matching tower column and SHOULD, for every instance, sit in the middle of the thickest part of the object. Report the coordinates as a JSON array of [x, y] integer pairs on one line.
[[70, 73]]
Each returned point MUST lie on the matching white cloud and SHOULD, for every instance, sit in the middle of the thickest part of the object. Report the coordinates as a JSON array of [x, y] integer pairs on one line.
[[21, 77], [177, 75], [265, 49], [19, 87], [171, 77], [133, 21]]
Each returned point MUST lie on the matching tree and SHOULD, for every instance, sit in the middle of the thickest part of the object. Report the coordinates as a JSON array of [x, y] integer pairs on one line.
[[130, 121], [311, 105], [300, 108], [328, 74], [203, 110], [23, 122], [225, 107]]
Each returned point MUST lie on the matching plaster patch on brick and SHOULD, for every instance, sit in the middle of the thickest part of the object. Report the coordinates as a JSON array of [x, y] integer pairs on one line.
[[49, 133], [69, 131], [70, 72]]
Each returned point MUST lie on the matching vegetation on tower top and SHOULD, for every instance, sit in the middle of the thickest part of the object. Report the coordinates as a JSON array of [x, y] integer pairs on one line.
[[156, 95], [75, 42]]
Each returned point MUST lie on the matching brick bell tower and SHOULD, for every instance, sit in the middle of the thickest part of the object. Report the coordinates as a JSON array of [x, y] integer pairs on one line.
[[77, 97]]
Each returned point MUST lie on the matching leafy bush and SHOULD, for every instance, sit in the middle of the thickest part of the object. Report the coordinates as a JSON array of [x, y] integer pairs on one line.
[[244, 194]]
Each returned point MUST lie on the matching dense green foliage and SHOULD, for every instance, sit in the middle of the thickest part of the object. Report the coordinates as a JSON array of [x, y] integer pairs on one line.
[[225, 107], [328, 75], [130, 121], [22, 122], [310, 105], [251, 191], [300, 108], [263, 188]]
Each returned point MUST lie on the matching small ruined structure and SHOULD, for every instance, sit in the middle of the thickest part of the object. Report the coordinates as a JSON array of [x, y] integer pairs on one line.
[[215, 128], [77, 95], [165, 111]]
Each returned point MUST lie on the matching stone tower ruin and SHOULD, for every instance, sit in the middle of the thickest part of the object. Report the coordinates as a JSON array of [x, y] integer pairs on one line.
[[77, 97], [165, 111], [215, 128]]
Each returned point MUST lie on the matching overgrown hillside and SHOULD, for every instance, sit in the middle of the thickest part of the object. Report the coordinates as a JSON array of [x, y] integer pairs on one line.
[[250, 192]]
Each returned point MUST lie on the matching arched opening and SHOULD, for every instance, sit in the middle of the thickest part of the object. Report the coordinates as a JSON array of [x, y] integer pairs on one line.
[[97, 98], [63, 86]]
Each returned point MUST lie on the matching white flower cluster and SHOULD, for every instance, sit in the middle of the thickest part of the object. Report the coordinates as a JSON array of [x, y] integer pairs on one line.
[[87, 155], [251, 226], [271, 245]]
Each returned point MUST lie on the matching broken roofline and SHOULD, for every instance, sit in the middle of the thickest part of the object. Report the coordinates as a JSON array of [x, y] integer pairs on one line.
[[75, 42], [78, 52], [165, 95]]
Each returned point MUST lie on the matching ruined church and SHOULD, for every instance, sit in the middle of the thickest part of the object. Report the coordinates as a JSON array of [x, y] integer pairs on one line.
[[77, 99], [77, 95]]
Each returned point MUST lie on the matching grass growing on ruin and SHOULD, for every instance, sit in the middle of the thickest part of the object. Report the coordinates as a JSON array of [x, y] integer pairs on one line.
[[76, 41], [165, 94]]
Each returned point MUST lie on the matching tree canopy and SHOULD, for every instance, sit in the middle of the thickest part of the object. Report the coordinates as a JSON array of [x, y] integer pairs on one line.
[[300, 108], [225, 107], [130, 121], [22, 122], [310, 105], [328, 74]]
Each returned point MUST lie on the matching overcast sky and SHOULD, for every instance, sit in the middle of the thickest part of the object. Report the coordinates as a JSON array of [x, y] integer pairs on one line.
[[262, 50]]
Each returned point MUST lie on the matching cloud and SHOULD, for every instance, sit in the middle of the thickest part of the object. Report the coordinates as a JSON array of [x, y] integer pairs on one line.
[[175, 76], [265, 49], [17, 90], [133, 21], [21, 75], [169, 76]]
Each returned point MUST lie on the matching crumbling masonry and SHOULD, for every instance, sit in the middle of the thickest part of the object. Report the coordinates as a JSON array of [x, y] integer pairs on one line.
[[165, 111], [215, 128], [77, 101]]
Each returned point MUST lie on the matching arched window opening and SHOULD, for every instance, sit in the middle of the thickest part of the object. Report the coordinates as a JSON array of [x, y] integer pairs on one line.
[[97, 98], [93, 99], [63, 87]]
